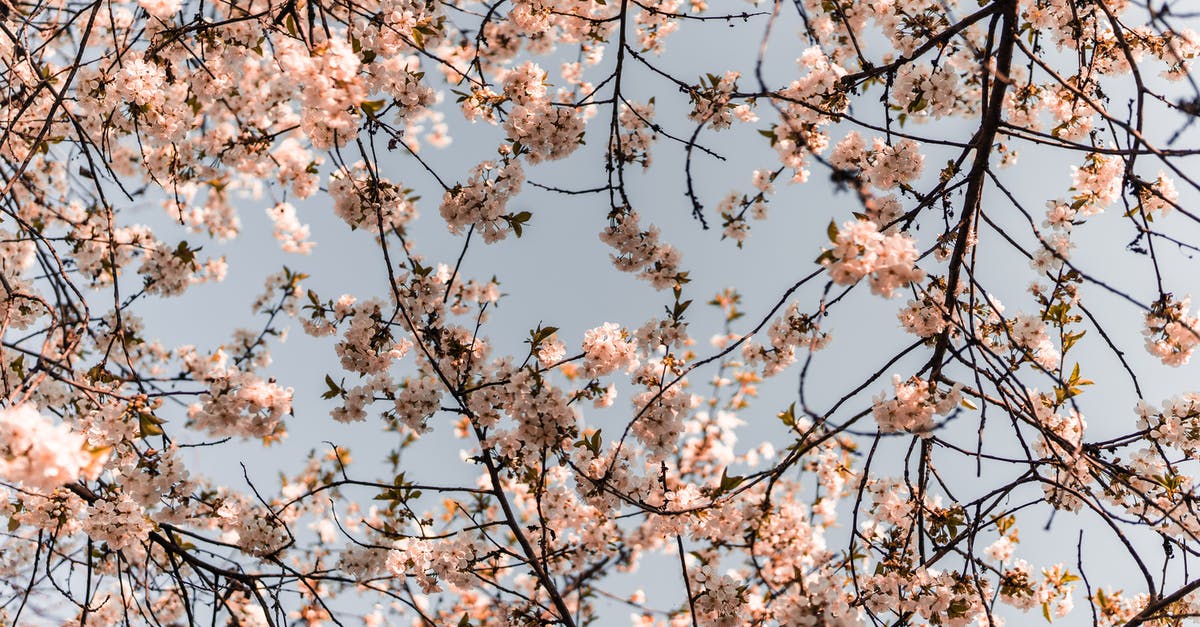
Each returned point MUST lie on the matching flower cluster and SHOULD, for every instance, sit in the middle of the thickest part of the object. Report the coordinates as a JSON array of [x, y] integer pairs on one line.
[[483, 201], [574, 467], [118, 522], [633, 143], [913, 406], [238, 402], [1175, 425], [547, 131], [608, 348], [710, 101], [1159, 197], [1097, 183], [1022, 590], [1172, 332], [1032, 335], [292, 235], [1056, 245], [719, 600], [926, 316], [860, 250], [43, 455], [1060, 445], [366, 200], [884, 166], [788, 333], [431, 563], [810, 103], [641, 251], [332, 88]]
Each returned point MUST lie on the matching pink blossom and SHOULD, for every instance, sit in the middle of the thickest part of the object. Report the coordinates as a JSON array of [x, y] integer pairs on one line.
[[607, 348], [42, 455], [860, 250]]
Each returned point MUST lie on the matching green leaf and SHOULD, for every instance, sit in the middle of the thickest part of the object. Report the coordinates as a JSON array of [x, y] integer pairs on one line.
[[541, 334], [372, 107], [679, 309], [420, 270], [729, 482], [919, 104], [334, 389], [517, 221], [788, 417], [185, 254], [149, 425], [1070, 339], [591, 443]]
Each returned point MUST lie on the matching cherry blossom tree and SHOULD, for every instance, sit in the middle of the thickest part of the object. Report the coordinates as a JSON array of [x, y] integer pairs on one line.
[[1039, 322]]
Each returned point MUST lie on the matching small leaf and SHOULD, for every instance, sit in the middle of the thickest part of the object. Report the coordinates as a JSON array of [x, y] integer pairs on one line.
[[788, 417], [184, 253], [334, 389], [372, 107], [729, 482], [149, 425]]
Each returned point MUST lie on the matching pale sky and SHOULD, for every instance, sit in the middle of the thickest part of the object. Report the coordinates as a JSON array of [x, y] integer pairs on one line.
[[558, 274]]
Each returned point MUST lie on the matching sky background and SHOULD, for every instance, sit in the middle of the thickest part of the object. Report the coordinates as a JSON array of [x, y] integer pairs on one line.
[[559, 274]]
